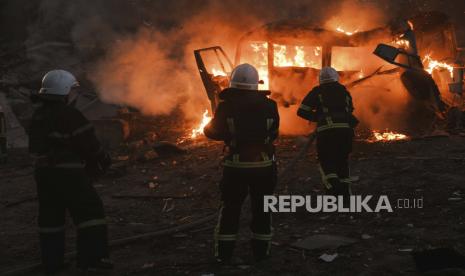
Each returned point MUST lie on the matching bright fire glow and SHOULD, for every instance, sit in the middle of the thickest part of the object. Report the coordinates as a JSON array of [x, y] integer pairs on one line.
[[341, 30], [410, 24], [283, 56], [402, 43], [432, 65], [218, 72], [199, 130], [261, 63], [387, 136]]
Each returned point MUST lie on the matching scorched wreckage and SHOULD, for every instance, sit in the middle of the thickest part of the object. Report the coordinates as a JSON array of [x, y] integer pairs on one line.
[[420, 53]]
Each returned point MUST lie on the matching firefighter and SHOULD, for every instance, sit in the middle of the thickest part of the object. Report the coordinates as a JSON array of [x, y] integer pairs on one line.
[[247, 121], [67, 157], [330, 106]]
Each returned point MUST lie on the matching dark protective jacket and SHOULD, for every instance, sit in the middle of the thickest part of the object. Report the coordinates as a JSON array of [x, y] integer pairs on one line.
[[61, 137], [248, 122], [330, 105]]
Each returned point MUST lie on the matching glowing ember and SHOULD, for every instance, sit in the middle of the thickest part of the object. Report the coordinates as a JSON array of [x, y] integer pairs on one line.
[[432, 65], [341, 30], [402, 43], [217, 72], [199, 130], [387, 136]]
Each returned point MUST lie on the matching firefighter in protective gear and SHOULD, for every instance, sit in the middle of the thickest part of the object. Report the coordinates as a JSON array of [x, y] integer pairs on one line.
[[247, 121], [330, 106], [67, 156]]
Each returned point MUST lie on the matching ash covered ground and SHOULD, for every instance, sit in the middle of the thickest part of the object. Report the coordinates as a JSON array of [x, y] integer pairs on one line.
[[429, 168]]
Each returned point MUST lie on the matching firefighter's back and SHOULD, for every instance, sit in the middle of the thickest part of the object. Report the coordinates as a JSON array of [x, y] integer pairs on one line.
[[252, 120]]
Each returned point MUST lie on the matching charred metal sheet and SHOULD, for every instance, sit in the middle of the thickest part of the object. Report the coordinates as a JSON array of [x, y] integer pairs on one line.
[[398, 57], [212, 87]]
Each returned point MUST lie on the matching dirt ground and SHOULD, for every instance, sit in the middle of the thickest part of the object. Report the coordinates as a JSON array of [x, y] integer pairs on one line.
[[430, 168]]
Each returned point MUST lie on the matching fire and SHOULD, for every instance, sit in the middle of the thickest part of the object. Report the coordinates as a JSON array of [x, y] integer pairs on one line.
[[410, 24], [402, 43], [199, 130], [341, 30], [387, 136], [261, 63], [283, 56], [218, 72], [432, 65]]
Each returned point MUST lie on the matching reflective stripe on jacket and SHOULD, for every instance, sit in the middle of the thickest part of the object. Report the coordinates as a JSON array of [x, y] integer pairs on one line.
[[248, 122], [330, 105]]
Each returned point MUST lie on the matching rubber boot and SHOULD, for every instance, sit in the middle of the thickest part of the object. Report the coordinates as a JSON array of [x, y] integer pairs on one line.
[[260, 249], [52, 246], [92, 248], [224, 251]]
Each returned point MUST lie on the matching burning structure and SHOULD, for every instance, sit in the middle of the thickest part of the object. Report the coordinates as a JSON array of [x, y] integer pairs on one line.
[[417, 65], [143, 94]]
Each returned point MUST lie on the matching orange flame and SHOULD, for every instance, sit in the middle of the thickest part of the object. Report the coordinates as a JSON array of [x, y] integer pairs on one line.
[[199, 130], [261, 63], [284, 58], [341, 30], [402, 43], [432, 65], [387, 136], [218, 72], [410, 24]]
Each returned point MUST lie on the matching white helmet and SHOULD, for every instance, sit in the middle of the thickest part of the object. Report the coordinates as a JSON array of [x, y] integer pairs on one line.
[[58, 82], [328, 74], [244, 76]]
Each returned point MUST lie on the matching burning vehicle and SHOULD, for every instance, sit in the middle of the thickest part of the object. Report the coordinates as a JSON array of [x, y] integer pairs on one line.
[[405, 76]]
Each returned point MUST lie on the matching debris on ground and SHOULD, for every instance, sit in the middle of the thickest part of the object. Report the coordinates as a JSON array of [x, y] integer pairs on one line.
[[328, 258], [323, 241]]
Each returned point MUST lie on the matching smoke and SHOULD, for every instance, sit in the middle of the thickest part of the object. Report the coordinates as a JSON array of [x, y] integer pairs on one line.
[[140, 53], [147, 47], [357, 16], [381, 103], [155, 69], [138, 72]]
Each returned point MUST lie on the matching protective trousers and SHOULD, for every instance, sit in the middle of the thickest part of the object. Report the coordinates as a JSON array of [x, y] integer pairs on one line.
[[333, 148], [235, 185], [61, 189]]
